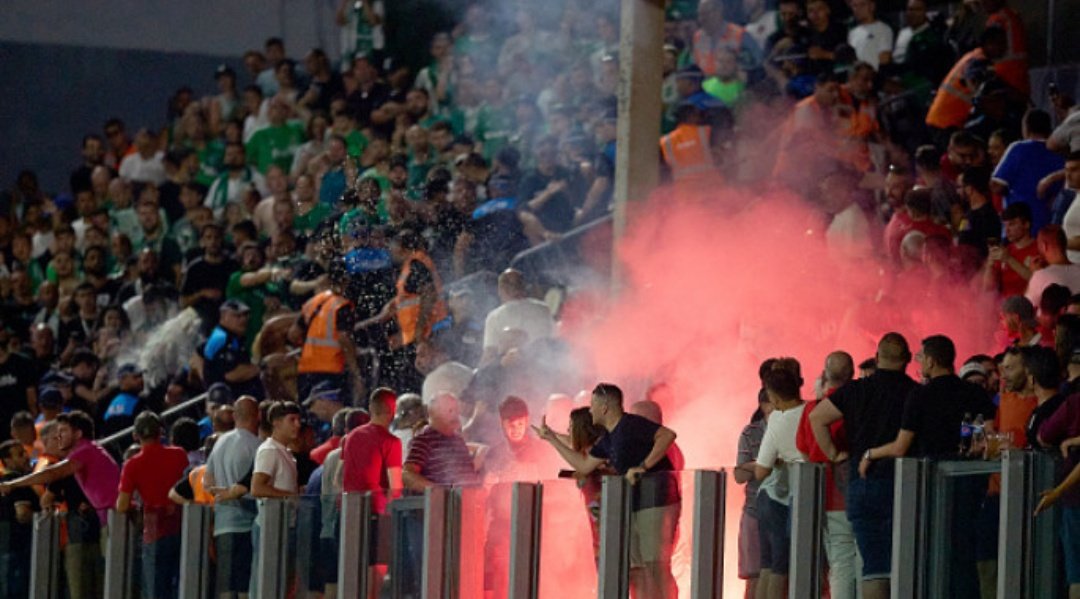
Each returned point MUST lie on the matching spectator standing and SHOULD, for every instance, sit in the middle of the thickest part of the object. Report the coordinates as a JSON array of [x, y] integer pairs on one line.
[[232, 458], [782, 383], [128, 403], [872, 410], [275, 474], [1009, 268], [1018, 399], [371, 461], [1059, 270], [517, 311], [438, 454], [1062, 429], [225, 355], [361, 23], [206, 277], [953, 100], [825, 36], [152, 473], [18, 390], [716, 34], [16, 513], [920, 46], [871, 38], [633, 447], [1013, 65], [745, 463], [1024, 164], [275, 144], [981, 222], [839, 538], [324, 331], [1044, 371]]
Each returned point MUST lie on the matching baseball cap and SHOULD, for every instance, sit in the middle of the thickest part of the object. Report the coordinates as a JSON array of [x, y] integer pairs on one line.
[[971, 368], [219, 394], [324, 390], [1020, 306], [128, 368], [50, 398], [53, 378], [224, 69], [235, 305]]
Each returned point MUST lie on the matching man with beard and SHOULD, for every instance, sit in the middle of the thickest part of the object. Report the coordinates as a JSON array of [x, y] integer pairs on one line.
[[206, 277], [231, 185], [16, 512]]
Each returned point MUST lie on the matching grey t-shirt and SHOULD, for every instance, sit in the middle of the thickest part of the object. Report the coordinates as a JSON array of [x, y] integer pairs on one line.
[[1068, 132], [230, 462], [749, 443]]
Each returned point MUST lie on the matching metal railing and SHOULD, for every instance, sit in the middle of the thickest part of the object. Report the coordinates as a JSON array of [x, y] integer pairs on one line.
[[437, 545]]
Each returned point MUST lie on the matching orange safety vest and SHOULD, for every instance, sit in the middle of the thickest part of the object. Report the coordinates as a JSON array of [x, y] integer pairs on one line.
[[198, 488], [952, 102], [687, 152], [322, 351], [705, 48], [408, 304], [857, 130], [1013, 67]]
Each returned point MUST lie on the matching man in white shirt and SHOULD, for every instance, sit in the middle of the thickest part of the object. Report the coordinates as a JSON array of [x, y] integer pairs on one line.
[[275, 477], [517, 312], [1058, 269], [443, 375], [145, 164], [870, 37]]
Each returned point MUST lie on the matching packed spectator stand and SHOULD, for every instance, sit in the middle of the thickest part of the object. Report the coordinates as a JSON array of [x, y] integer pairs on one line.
[[336, 275]]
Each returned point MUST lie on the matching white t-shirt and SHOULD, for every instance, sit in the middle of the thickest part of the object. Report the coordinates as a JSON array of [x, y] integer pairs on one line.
[[870, 41], [529, 315], [779, 443], [274, 459], [762, 28], [449, 377], [1071, 224], [144, 170], [848, 235], [1061, 274]]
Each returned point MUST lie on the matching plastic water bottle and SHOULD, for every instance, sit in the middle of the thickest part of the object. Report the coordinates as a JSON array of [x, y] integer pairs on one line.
[[978, 435], [966, 430]]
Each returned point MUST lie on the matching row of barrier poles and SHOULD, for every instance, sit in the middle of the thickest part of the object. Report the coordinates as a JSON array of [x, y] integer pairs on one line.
[[453, 527]]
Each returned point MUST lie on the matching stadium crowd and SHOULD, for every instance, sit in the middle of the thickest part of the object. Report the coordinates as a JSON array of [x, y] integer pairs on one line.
[[311, 252]]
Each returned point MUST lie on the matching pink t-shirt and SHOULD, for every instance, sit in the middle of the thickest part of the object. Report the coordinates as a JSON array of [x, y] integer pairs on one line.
[[97, 475]]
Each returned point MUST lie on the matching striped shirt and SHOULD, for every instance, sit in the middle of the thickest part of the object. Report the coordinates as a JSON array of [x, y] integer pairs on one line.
[[442, 459]]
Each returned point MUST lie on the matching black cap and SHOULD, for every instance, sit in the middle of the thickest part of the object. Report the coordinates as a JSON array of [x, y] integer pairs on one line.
[[50, 398], [219, 394]]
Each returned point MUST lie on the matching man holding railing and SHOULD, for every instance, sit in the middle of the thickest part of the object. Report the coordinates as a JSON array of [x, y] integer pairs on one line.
[[634, 446]]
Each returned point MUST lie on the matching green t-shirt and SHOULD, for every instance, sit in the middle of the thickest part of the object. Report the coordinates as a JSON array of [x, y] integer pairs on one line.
[[255, 298], [494, 126], [211, 158], [730, 92], [307, 223], [275, 145]]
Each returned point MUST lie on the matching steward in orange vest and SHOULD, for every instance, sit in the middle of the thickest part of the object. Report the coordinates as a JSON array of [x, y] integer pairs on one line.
[[1012, 67], [952, 102], [687, 151], [324, 332]]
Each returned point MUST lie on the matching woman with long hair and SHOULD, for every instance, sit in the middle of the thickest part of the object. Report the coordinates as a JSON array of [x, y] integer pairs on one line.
[[583, 435]]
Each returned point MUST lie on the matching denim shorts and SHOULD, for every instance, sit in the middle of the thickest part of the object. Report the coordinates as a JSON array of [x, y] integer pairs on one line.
[[870, 511], [774, 528], [1070, 542]]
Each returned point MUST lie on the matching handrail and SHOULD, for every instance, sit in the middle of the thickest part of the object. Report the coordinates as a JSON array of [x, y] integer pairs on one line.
[[125, 434]]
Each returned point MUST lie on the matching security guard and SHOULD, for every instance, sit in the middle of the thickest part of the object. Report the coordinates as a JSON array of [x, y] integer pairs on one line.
[[687, 151], [328, 353], [953, 100]]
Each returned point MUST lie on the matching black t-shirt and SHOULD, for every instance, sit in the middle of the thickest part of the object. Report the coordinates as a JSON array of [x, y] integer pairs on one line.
[[1039, 415], [834, 35], [873, 408], [934, 412], [326, 91], [169, 196], [362, 103], [557, 214], [18, 534], [625, 447], [223, 352], [16, 376], [202, 274], [78, 329], [982, 223], [419, 277], [18, 317], [497, 238]]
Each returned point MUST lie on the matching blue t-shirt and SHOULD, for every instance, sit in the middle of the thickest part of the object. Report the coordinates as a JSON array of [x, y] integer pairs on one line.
[[1024, 164]]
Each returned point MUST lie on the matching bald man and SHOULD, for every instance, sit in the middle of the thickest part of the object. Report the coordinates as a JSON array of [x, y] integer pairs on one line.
[[871, 409], [517, 311], [839, 540], [231, 460]]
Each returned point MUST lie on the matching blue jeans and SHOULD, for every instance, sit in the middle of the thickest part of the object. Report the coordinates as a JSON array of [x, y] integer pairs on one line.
[[161, 568], [870, 511]]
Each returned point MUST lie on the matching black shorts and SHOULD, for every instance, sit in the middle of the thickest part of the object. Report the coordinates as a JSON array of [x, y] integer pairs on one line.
[[234, 554]]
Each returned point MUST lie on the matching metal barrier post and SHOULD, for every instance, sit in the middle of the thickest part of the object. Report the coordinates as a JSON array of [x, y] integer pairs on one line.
[[707, 562], [354, 569], [1044, 535], [614, 571], [807, 523], [465, 525], [434, 557], [272, 563], [525, 540], [195, 552], [909, 551], [120, 557], [1015, 530], [45, 556]]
